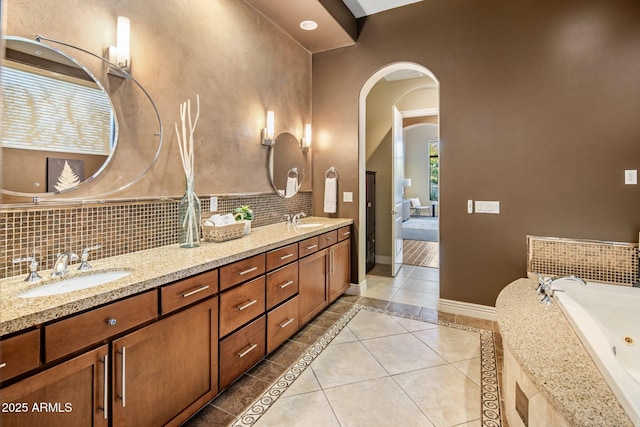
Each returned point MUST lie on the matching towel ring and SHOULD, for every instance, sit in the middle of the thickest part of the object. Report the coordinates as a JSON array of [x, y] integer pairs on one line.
[[293, 173], [330, 171]]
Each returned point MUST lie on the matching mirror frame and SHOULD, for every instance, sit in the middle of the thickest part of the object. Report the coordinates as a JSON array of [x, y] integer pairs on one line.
[[299, 171]]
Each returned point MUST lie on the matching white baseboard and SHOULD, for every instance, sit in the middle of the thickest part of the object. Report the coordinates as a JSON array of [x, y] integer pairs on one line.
[[356, 288], [383, 259], [467, 309]]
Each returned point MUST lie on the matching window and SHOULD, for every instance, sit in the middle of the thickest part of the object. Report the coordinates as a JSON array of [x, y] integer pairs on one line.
[[434, 166]]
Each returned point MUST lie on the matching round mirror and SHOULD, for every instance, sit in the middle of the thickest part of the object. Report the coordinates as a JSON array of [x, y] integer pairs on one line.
[[59, 127], [286, 165]]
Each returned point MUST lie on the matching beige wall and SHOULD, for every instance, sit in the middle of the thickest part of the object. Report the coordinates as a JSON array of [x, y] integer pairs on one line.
[[238, 62], [539, 106]]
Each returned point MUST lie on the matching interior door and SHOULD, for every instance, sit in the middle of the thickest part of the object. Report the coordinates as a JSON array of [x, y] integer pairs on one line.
[[397, 174]]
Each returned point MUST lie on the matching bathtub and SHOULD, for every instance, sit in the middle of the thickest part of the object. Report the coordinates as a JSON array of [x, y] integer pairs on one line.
[[606, 318]]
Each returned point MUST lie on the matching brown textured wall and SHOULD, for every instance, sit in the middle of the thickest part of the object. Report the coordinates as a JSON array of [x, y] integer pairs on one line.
[[237, 61], [539, 109]]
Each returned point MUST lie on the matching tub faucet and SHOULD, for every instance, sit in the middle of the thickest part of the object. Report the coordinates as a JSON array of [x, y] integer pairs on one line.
[[547, 288], [62, 262]]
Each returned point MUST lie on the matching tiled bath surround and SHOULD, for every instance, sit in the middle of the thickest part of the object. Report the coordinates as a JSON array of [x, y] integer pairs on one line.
[[119, 227], [605, 262]]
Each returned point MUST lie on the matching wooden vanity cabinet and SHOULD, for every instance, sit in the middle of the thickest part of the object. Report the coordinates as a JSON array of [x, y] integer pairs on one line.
[[19, 354], [339, 276], [73, 393], [169, 367]]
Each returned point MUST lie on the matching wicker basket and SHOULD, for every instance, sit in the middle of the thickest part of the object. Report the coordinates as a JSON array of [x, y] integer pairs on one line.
[[212, 233]]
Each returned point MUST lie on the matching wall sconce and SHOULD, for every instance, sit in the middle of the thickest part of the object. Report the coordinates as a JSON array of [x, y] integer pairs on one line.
[[269, 132], [305, 142], [120, 54]]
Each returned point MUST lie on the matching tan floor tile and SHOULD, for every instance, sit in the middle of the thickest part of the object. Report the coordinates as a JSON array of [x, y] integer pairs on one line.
[[399, 307], [310, 409], [422, 299], [426, 273], [305, 383], [443, 393], [421, 285], [414, 325], [210, 416], [402, 353], [386, 405], [345, 335], [474, 322], [451, 343], [368, 324], [471, 368], [344, 364]]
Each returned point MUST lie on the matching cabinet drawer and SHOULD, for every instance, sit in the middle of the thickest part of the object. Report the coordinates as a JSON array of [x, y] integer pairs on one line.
[[241, 304], [19, 354], [82, 330], [282, 323], [308, 246], [327, 239], [344, 233], [241, 351], [279, 257], [241, 271], [187, 291], [282, 284]]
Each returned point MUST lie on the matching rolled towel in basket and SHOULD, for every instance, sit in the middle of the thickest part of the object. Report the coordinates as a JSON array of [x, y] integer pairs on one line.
[[330, 195]]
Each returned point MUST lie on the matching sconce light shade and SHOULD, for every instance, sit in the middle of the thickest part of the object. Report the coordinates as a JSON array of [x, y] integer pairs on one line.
[[268, 132], [306, 139], [406, 182], [123, 40]]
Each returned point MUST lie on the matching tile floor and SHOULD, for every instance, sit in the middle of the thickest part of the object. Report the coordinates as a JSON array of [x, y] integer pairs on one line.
[[381, 369]]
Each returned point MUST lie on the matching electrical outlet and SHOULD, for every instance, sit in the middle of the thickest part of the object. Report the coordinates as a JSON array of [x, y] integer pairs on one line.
[[631, 176], [213, 204], [347, 196]]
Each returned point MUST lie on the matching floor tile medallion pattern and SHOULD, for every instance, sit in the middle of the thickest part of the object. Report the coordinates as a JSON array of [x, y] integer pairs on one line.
[[489, 390]]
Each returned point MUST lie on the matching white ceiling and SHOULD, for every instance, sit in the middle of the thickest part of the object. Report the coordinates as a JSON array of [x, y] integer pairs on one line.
[[361, 8]]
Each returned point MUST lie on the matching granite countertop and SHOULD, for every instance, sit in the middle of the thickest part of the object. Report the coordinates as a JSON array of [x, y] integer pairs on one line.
[[151, 268], [549, 351]]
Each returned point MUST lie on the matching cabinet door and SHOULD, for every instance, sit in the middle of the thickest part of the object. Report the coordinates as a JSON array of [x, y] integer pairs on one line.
[[166, 371], [312, 285], [66, 395], [339, 269]]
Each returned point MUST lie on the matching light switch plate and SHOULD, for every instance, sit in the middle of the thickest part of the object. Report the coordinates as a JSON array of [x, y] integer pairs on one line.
[[631, 176], [492, 207], [213, 204], [470, 206], [347, 196]]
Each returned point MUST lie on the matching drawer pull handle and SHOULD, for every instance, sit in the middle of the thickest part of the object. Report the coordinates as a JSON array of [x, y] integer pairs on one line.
[[329, 238], [124, 377], [105, 390], [346, 233], [285, 284], [195, 291], [311, 247], [112, 322], [242, 273], [287, 323], [247, 351], [2, 365], [285, 256], [247, 304]]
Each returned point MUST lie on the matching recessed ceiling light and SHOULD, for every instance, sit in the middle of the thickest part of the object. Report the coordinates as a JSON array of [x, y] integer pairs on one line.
[[308, 25]]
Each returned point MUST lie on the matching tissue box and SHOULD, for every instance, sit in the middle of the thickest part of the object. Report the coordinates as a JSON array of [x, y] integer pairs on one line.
[[213, 233]]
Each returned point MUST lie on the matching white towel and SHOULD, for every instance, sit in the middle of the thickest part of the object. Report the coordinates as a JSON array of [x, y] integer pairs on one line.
[[292, 186], [330, 195]]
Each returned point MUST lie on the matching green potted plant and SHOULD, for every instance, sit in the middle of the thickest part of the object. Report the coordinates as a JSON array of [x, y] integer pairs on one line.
[[244, 213]]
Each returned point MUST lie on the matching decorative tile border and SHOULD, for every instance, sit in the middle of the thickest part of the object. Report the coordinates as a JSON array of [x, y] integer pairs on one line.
[[120, 227], [490, 390], [605, 262]]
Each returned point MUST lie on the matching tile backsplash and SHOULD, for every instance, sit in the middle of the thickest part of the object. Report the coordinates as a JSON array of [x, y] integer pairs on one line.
[[605, 262], [119, 227]]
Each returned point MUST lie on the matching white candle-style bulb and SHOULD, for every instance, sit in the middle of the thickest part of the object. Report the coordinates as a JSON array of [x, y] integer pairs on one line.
[[270, 125], [307, 135], [123, 39]]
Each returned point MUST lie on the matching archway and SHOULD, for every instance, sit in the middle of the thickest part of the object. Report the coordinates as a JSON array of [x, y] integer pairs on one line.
[[362, 155]]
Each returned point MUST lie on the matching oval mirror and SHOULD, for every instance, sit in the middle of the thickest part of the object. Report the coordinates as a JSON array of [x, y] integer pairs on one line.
[[286, 165], [59, 127]]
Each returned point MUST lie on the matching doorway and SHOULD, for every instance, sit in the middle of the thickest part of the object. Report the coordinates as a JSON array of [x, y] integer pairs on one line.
[[412, 111]]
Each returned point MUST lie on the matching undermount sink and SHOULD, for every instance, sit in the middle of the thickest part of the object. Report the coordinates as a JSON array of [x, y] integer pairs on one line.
[[308, 225], [76, 283]]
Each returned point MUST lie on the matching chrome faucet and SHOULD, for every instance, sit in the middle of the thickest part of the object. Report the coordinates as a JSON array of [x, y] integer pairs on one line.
[[84, 265], [33, 268], [296, 217], [62, 262], [546, 290]]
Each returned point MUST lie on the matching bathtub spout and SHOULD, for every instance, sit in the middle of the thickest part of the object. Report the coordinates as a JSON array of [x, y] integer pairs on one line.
[[548, 289]]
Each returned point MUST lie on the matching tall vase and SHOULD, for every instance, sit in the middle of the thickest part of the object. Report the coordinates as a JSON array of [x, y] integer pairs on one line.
[[189, 217]]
